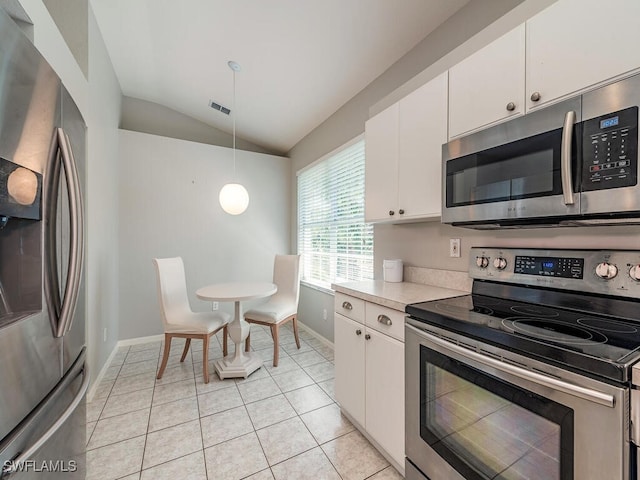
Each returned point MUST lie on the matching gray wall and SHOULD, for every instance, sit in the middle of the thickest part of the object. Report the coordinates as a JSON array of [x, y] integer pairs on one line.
[[169, 207], [148, 117], [408, 73], [427, 244], [101, 270], [71, 18]]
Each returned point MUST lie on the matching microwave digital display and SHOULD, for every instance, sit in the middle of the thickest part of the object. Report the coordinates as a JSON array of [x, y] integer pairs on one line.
[[609, 122]]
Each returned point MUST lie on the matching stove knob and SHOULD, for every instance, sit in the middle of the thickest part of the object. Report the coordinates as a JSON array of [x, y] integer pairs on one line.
[[500, 263], [634, 273], [482, 262], [606, 270]]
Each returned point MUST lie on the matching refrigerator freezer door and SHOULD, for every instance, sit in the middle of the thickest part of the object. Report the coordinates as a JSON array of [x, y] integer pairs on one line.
[[50, 442]]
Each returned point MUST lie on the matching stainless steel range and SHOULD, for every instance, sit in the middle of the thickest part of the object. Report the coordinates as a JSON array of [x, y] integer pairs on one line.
[[532, 376]]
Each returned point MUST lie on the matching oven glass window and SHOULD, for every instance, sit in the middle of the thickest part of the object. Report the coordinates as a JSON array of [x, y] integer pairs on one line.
[[527, 168], [486, 428]]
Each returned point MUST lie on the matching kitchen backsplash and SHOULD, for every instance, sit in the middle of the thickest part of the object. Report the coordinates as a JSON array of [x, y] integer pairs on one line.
[[439, 278]]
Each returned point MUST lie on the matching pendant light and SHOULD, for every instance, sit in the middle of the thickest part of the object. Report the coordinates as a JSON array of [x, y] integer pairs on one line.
[[234, 198]]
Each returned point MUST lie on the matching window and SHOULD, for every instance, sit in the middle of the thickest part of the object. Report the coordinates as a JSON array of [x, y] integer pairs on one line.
[[335, 242]]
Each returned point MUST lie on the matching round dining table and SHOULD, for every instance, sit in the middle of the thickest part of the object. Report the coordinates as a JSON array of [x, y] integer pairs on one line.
[[239, 364]]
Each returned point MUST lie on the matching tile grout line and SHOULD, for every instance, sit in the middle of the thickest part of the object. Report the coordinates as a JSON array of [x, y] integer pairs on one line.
[[269, 375], [146, 435]]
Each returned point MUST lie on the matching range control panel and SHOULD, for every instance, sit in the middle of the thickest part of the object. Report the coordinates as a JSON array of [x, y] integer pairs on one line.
[[609, 272], [610, 150], [565, 267]]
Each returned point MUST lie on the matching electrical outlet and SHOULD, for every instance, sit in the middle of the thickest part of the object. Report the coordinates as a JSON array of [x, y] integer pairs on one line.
[[104, 335], [454, 247], [214, 305], [324, 314]]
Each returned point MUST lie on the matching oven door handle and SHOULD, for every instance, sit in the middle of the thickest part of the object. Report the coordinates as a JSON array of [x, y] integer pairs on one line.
[[554, 383], [565, 158]]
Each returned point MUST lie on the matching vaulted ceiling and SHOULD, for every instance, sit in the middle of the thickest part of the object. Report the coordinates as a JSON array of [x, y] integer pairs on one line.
[[301, 60]]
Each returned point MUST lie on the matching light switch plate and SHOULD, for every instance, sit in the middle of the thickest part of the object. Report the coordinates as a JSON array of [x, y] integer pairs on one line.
[[454, 247]]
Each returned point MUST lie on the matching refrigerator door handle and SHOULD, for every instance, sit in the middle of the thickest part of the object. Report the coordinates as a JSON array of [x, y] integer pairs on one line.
[[62, 155], [76, 248], [13, 466]]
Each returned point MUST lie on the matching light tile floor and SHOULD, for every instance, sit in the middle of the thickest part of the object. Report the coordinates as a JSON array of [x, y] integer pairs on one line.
[[280, 423]]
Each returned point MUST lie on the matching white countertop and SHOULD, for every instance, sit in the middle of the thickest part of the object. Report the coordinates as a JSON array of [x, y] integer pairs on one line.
[[395, 295]]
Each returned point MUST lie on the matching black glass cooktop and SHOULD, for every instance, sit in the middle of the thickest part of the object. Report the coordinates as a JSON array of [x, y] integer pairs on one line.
[[586, 341]]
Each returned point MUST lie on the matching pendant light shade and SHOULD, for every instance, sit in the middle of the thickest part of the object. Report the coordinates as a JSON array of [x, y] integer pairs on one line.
[[234, 198]]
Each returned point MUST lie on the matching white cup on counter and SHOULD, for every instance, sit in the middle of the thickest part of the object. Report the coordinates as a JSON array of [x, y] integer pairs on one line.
[[392, 270]]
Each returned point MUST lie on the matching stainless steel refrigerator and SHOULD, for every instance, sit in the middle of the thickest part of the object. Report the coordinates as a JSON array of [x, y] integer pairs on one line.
[[43, 374]]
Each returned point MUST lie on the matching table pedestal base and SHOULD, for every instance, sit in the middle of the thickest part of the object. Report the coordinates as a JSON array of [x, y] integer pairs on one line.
[[230, 367]]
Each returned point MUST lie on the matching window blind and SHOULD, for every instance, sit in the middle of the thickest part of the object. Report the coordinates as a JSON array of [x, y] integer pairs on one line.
[[335, 242]]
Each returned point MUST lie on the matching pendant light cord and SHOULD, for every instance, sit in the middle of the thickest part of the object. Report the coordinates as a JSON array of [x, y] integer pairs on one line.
[[234, 125]]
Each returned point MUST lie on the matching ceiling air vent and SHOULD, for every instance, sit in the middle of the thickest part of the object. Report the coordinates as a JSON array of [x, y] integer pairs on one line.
[[220, 108]]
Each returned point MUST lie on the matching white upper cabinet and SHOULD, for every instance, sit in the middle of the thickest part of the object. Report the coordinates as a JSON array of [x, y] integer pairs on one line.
[[488, 86], [576, 44], [403, 156], [381, 165], [423, 130]]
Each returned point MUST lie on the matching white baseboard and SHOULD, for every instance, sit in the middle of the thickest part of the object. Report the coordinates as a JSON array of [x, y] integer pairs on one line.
[[139, 340], [122, 343], [316, 334], [96, 381], [158, 338]]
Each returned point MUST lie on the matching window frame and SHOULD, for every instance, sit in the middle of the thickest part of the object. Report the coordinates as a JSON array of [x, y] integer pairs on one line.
[[367, 229]]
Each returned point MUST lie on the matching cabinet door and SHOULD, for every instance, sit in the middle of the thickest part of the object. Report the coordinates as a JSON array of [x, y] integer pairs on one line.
[[488, 86], [385, 393], [422, 131], [575, 44], [349, 366], [381, 165]]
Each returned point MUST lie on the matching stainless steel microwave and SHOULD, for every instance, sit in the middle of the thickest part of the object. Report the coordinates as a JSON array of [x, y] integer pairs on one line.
[[572, 163]]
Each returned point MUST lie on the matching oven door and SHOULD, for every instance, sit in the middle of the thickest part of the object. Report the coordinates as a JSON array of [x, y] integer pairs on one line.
[[523, 169], [473, 416]]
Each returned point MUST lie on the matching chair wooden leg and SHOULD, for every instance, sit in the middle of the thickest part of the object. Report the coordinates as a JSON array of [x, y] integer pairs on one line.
[[205, 357], [295, 330], [247, 343], [225, 334], [186, 350], [276, 343], [165, 355]]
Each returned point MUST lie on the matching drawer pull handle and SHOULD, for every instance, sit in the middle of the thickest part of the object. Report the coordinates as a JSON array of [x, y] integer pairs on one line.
[[535, 96], [511, 106], [358, 332], [384, 320], [347, 306], [367, 337]]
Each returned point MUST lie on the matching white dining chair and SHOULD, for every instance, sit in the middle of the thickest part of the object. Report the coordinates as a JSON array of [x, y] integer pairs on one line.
[[178, 318], [283, 305]]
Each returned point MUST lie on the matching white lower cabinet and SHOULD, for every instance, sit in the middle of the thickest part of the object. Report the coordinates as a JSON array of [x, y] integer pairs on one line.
[[349, 366], [369, 377], [384, 393]]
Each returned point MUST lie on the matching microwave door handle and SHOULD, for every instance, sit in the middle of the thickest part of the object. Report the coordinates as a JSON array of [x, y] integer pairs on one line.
[[565, 158], [76, 251]]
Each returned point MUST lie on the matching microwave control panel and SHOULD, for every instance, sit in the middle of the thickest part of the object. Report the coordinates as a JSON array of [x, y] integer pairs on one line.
[[610, 150]]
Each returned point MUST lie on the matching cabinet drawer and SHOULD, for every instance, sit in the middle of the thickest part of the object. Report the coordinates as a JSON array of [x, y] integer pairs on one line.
[[350, 307], [385, 320]]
